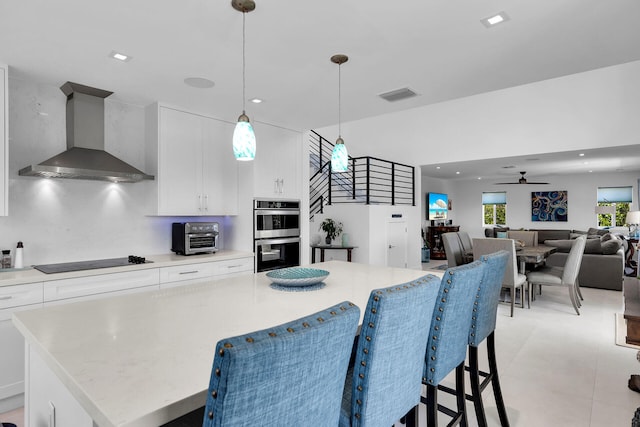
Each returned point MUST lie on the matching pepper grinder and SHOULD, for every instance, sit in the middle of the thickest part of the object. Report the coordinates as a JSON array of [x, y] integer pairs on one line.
[[17, 263]]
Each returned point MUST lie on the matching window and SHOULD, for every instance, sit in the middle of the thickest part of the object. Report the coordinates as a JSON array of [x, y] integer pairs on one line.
[[494, 208], [618, 199]]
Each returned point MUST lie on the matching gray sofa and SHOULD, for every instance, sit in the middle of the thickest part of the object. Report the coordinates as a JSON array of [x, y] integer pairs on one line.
[[597, 270]]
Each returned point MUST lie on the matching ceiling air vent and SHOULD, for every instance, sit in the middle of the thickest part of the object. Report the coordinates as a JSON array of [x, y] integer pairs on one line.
[[398, 94]]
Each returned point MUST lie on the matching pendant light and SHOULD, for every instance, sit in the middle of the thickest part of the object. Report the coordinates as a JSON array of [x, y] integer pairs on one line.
[[244, 139], [339, 155]]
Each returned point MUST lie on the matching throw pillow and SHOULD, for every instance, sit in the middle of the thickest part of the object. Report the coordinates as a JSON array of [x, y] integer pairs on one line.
[[607, 237], [593, 246], [611, 246], [592, 231]]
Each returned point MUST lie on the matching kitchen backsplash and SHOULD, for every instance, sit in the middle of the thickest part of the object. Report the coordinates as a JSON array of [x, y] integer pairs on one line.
[[65, 220]]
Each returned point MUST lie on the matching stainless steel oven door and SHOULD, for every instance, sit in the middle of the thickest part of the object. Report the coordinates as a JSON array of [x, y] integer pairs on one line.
[[272, 254], [273, 223], [201, 242]]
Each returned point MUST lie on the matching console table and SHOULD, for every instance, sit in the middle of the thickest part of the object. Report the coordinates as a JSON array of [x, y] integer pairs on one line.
[[435, 239], [325, 247]]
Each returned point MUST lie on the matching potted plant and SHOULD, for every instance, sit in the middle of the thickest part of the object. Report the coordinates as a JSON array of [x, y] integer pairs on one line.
[[332, 228]]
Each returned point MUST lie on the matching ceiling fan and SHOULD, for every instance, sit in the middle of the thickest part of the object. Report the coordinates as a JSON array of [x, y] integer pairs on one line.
[[522, 180]]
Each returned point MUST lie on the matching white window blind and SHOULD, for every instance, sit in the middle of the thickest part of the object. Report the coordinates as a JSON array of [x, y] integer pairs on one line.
[[614, 194], [494, 198]]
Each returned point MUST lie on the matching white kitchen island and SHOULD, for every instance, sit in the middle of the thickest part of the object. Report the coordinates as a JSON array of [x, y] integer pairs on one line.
[[145, 359]]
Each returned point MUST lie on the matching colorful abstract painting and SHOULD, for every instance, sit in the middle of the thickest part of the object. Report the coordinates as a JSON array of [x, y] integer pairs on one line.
[[549, 206]]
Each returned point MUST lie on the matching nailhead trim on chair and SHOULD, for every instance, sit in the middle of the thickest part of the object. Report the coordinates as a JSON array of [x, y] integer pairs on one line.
[[365, 350], [250, 340], [435, 337]]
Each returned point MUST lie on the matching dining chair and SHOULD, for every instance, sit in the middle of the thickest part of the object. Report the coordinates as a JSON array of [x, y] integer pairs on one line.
[[452, 249], [466, 245], [566, 276], [291, 374], [483, 327], [384, 381], [512, 278], [528, 238], [448, 339]]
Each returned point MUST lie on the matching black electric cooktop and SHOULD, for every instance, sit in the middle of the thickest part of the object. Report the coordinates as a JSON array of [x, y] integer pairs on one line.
[[90, 265]]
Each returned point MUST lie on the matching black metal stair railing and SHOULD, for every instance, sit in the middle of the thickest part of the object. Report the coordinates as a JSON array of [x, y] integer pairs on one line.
[[368, 180]]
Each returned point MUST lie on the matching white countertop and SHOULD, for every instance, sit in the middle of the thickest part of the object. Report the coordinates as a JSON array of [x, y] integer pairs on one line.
[[144, 359], [31, 275]]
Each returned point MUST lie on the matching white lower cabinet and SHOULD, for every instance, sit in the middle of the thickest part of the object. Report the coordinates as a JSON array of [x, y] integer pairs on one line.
[[82, 288], [14, 298], [181, 275], [235, 267], [49, 401]]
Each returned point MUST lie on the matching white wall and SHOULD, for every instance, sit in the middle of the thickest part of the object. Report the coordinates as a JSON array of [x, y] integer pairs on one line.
[[367, 229], [73, 220], [582, 196], [594, 109]]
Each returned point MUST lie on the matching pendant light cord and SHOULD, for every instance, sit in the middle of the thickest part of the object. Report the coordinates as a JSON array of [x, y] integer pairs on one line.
[[244, 14], [339, 101]]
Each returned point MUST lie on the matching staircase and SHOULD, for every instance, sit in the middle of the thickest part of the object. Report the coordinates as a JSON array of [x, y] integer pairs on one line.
[[368, 180]]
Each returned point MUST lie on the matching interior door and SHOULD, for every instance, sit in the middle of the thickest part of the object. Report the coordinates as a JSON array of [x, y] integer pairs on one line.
[[397, 244]]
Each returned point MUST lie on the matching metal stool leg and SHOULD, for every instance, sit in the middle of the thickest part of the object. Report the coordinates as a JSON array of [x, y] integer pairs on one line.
[[495, 381], [432, 406], [476, 391]]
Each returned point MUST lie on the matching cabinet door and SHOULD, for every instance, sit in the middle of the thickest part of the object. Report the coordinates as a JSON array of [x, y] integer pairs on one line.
[[219, 168], [277, 168], [234, 267], [4, 138], [180, 163], [96, 286], [12, 299], [185, 272]]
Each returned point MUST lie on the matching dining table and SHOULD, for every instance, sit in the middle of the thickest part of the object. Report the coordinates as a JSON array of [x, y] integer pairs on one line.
[[145, 359], [533, 255]]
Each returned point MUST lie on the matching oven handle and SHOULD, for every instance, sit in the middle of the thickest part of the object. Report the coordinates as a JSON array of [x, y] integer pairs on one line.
[[277, 212], [215, 233], [277, 241]]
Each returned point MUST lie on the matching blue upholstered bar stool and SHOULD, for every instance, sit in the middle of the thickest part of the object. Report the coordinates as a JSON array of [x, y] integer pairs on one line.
[[384, 382], [292, 374], [449, 337], [483, 325]]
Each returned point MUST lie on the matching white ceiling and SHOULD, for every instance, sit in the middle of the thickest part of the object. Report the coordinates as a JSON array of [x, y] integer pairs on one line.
[[538, 167], [439, 49]]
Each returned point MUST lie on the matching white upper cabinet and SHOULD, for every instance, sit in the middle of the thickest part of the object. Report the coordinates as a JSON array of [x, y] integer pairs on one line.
[[196, 173], [4, 140], [278, 162]]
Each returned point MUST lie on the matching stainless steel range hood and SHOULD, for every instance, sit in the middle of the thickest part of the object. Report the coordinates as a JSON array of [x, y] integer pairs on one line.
[[85, 157]]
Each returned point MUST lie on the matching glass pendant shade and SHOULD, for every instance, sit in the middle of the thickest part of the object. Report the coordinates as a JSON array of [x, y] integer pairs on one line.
[[244, 139], [339, 157]]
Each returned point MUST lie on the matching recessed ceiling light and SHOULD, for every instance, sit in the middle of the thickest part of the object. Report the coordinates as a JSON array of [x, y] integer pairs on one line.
[[590, 171], [198, 82], [479, 177], [457, 172], [494, 20], [581, 154], [119, 56], [437, 167], [256, 100], [585, 163]]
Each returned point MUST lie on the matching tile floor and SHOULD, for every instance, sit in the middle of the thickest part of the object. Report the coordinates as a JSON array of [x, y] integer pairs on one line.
[[560, 369], [556, 368]]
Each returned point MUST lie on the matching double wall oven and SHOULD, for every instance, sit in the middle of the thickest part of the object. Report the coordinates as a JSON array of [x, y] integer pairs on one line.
[[276, 233]]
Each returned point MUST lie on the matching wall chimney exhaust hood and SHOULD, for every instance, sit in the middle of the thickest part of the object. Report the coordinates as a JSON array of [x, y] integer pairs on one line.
[[85, 157]]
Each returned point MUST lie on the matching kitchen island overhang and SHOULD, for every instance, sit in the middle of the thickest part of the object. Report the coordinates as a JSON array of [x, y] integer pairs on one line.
[[145, 359]]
